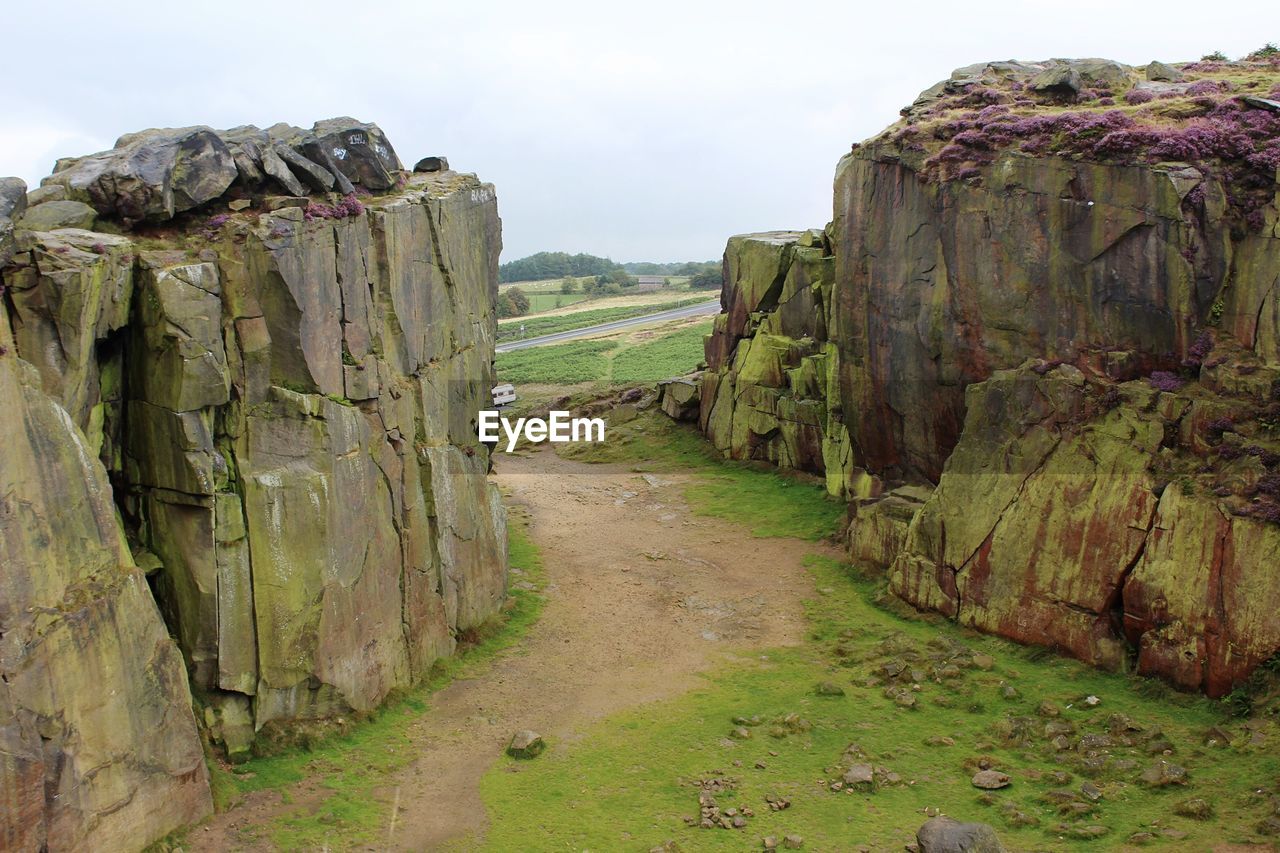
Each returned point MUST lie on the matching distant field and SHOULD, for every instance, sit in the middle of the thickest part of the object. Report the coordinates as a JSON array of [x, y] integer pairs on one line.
[[550, 301], [535, 326], [643, 356]]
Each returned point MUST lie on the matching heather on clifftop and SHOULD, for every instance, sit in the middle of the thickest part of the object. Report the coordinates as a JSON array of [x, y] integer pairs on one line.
[[1218, 116]]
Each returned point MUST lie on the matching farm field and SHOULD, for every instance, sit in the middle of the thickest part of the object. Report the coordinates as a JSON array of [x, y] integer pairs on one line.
[[647, 354], [545, 297], [566, 320], [549, 301]]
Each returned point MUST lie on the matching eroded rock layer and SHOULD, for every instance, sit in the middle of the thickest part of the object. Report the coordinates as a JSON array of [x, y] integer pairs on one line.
[[1036, 350], [258, 415]]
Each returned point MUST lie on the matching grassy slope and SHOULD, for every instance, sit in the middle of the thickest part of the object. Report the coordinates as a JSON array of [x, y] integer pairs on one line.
[[607, 359], [351, 766], [625, 783]]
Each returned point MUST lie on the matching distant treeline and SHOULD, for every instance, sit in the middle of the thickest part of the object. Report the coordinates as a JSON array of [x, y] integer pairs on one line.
[[548, 265], [650, 268]]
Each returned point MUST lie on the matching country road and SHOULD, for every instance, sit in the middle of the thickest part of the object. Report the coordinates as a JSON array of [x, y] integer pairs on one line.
[[711, 307]]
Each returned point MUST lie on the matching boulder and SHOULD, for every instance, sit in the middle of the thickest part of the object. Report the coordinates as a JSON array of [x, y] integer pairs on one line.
[[153, 174], [859, 776], [991, 780], [318, 177], [947, 835], [360, 151], [678, 398], [1061, 78], [52, 215], [13, 197], [13, 202], [432, 164], [1257, 103], [51, 192], [526, 744], [1162, 72]]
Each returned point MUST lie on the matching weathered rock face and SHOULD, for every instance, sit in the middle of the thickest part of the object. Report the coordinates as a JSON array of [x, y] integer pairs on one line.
[[1122, 555], [939, 284], [98, 744], [765, 392], [914, 358], [276, 410], [302, 449]]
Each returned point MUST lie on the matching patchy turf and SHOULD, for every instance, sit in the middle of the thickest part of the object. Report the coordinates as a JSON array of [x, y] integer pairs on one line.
[[922, 702]]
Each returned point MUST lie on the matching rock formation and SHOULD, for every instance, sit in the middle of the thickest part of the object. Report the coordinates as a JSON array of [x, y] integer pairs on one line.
[[1038, 350], [254, 410]]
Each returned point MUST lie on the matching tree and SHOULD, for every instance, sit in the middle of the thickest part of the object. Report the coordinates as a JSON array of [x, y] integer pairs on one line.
[[512, 303], [518, 300], [548, 265], [620, 278], [709, 278], [569, 285]]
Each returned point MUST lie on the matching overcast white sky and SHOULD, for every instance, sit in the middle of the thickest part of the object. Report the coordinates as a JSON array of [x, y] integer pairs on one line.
[[642, 131]]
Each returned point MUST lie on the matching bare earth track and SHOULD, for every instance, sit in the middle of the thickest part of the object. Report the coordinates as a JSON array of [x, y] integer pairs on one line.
[[641, 597]]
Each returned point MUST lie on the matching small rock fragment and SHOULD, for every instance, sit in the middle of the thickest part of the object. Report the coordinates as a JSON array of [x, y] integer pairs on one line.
[[526, 744], [991, 780]]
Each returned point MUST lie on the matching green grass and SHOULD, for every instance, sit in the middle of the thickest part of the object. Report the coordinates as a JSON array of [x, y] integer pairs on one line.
[[606, 359], [669, 355], [766, 501], [350, 767], [551, 301], [537, 326], [625, 782], [562, 364]]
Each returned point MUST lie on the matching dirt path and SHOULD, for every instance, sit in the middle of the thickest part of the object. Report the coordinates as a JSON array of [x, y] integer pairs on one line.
[[641, 597]]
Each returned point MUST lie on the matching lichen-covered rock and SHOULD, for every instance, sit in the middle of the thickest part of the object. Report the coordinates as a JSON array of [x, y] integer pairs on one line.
[[1202, 604], [98, 744], [764, 394], [58, 214], [1055, 523], [1009, 224], [305, 447], [70, 293], [284, 399], [1035, 523], [879, 524]]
